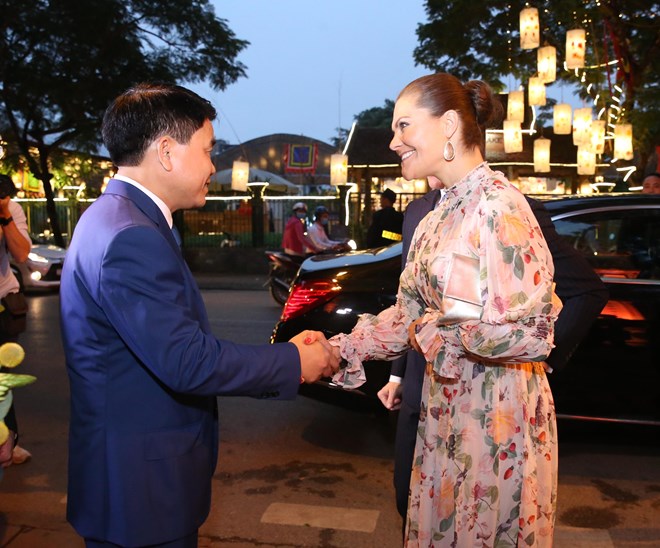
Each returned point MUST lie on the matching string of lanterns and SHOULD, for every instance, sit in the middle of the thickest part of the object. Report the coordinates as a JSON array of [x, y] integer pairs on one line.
[[589, 135]]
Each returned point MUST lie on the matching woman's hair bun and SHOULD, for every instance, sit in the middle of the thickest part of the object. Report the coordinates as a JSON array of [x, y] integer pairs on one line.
[[487, 107]]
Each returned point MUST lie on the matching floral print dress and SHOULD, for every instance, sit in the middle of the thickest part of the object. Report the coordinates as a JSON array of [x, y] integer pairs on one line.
[[485, 466]]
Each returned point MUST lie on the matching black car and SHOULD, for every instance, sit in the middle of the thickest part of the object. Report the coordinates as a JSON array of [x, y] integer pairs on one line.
[[614, 375]]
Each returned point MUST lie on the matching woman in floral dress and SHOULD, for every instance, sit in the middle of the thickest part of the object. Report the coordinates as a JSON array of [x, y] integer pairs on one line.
[[485, 467]]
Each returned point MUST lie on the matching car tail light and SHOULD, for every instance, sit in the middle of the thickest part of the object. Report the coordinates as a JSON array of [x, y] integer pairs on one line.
[[306, 295]]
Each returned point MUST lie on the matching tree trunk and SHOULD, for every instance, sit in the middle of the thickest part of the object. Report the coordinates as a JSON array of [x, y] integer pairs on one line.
[[45, 177]]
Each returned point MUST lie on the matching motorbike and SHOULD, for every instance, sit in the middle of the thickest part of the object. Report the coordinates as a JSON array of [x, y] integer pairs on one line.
[[282, 270]]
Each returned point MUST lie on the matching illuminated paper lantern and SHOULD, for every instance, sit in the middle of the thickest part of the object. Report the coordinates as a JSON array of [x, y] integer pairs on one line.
[[338, 169], [529, 28], [240, 173], [575, 46], [512, 136], [515, 108], [536, 91], [598, 136], [623, 147], [561, 118], [582, 126], [586, 161], [546, 58], [542, 155]]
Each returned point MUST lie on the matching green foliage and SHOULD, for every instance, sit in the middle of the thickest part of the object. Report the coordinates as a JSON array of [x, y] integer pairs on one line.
[[481, 40], [62, 62], [380, 117], [377, 116]]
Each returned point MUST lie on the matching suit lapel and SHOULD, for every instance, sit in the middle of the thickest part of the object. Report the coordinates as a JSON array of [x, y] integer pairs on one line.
[[146, 205]]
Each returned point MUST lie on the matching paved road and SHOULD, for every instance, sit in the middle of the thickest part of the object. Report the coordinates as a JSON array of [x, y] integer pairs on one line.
[[304, 473]]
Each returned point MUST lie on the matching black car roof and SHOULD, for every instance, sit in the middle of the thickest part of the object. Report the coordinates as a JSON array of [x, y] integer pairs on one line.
[[575, 202]]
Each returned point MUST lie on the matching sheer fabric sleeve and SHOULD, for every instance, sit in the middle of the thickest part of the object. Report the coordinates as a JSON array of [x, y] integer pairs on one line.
[[519, 304], [382, 337]]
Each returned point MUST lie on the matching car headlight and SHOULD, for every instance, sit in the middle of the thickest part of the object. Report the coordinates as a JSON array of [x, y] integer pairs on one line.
[[36, 258]]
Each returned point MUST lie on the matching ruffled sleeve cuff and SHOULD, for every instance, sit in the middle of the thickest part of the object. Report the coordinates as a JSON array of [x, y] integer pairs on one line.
[[439, 347]]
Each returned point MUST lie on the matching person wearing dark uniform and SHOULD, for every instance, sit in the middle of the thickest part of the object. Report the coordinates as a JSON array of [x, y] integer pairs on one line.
[[387, 222]]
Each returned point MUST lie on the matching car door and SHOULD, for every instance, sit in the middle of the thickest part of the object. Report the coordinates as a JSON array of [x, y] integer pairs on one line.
[[615, 373]]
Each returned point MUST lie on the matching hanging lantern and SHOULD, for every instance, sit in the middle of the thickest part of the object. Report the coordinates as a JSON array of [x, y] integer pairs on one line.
[[536, 91], [515, 107], [582, 126], [598, 136], [547, 64], [542, 155], [561, 118], [575, 46], [512, 136], [338, 169], [586, 161], [623, 149], [240, 173], [529, 28]]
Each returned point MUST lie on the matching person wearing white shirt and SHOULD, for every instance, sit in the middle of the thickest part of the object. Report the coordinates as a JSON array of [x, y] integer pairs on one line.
[[318, 234]]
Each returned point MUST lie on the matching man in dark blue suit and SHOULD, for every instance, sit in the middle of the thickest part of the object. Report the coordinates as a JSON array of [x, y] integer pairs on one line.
[[144, 367], [581, 291]]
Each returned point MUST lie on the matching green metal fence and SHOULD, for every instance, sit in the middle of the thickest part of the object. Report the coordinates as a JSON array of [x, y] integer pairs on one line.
[[245, 221]]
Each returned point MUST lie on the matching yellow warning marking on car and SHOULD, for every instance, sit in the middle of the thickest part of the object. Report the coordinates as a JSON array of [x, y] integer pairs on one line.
[[325, 517]]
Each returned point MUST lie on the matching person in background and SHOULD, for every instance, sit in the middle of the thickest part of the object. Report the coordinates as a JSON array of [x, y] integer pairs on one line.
[[651, 184], [144, 367], [295, 240], [476, 300], [318, 232], [385, 228], [581, 291], [14, 241]]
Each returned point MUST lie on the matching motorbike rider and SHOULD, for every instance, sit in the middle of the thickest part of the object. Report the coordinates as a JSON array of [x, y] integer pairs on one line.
[[318, 232], [295, 240]]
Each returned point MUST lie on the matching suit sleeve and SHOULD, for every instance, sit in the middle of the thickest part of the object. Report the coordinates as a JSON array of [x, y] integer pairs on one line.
[[142, 291], [581, 291], [413, 214]]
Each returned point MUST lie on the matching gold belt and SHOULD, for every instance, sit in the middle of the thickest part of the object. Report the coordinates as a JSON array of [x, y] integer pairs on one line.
[[534, 367]]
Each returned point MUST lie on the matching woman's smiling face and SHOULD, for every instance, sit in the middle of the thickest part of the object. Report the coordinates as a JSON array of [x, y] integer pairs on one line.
[[418, 138]]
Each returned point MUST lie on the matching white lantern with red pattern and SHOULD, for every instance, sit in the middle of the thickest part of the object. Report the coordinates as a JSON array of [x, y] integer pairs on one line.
[[512, 136], [546, 58], [576, 42], [542, 155], [623, 146], [515, 107], [529, 28], [561, 119]]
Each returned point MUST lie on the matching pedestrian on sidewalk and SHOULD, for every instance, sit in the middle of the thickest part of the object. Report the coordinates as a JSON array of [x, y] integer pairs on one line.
[[15, 241]]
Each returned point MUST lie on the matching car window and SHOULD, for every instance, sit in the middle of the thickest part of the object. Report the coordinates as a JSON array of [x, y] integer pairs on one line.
[[617, 243]]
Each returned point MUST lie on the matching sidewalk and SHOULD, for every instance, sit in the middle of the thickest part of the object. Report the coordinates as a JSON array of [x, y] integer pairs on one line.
[[237, 281]]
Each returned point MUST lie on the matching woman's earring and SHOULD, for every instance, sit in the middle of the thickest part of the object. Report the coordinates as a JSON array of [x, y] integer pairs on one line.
[[449, 153]]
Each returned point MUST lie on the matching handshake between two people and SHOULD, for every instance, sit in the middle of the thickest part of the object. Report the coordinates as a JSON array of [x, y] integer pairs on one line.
[[318, 358]]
